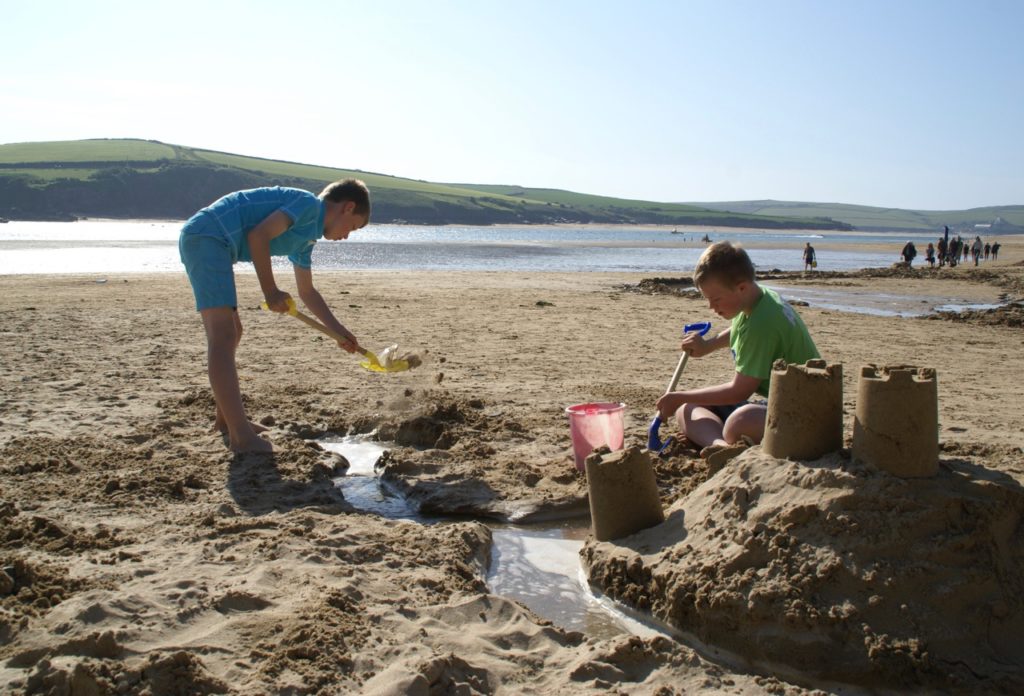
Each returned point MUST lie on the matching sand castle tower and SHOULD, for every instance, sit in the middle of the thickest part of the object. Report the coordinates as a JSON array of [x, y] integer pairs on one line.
[[623, 493], [896, 427], [805, 410]]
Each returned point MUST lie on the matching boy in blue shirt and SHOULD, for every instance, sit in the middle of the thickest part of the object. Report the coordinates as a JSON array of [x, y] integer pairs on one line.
[[254, 225], [763, 329]]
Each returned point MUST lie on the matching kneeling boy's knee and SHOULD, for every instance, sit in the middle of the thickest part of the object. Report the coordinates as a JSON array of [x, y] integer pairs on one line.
[[747, 420]]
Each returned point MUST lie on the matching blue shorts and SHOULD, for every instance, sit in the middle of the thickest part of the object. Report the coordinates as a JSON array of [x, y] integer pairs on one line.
[[208, 262]]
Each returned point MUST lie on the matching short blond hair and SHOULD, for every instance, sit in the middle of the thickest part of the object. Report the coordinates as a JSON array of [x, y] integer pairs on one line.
[[725, 262]]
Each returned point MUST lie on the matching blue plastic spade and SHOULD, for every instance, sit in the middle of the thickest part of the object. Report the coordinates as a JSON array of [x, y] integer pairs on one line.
[[654, 442]]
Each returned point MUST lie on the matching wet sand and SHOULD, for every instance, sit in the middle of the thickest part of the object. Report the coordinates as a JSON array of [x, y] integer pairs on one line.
[[139, 554]]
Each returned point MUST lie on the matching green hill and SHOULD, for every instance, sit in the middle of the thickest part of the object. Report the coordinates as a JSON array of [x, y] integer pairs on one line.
[[1007, 218], [149, 179]]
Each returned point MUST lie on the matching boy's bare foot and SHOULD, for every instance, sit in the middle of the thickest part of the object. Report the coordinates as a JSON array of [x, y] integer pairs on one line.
[[220, 426], [719, 455], [252, 444]]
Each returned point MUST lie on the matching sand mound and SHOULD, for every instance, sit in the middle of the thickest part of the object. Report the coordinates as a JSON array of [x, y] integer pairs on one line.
[[839, 572], [1010, 314], [682, 286]]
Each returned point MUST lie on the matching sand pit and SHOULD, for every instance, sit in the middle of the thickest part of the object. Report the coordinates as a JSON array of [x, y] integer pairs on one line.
[[839, 572]]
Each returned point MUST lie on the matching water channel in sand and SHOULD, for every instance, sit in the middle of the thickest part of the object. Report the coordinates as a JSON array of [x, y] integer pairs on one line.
[[536, 565]]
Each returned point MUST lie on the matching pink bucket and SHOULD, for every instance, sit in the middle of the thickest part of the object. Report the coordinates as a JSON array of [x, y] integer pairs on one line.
[[595, 425]]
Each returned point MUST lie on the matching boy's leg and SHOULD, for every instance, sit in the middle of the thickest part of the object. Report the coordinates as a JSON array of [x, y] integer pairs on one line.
[[220, 423], [221, 340], [208, 261], [748, 420], [701, 425]]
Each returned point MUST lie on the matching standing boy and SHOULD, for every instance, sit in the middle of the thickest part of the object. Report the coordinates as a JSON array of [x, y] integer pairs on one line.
[[764, 329], [254, 225]]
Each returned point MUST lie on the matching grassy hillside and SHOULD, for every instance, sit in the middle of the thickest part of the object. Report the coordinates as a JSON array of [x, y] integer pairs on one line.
[[1008, 218], [148, 179]]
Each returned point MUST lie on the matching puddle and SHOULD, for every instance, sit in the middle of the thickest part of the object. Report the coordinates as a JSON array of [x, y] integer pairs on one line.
[[360, 485], [875, 303], [538, 566]]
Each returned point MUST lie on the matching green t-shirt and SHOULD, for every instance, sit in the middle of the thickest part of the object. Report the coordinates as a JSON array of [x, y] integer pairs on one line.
[[772, 331]]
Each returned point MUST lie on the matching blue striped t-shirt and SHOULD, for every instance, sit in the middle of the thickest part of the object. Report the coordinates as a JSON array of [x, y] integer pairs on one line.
[[236, 214]]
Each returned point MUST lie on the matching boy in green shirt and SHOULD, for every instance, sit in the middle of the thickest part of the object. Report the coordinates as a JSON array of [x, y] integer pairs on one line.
[[764, 329]]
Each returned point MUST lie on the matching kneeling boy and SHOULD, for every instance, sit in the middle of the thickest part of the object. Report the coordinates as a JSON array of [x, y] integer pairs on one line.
[[764, 329]]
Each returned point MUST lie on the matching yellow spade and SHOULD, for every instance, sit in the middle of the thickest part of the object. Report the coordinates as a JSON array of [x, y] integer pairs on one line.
[[371, 363]]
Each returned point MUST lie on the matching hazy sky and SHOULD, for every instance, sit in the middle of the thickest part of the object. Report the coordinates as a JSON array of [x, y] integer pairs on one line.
[[902, 103]]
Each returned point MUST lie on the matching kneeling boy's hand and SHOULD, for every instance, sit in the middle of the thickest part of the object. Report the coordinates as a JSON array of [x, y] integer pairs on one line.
[[695, 345], [668, 404]]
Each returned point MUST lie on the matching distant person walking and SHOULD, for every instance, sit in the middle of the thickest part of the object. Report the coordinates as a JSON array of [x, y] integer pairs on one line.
[[995, 250], [966, 250], [943, 248], [909, 253], [929, 254], [988, 250], [976, 250], [810, 258]]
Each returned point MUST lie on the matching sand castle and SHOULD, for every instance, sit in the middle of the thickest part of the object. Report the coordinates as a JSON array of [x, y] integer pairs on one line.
[[805, 410], [896, 427], [623, 493]]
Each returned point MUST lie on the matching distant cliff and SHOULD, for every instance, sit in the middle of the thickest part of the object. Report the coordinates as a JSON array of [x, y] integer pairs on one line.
[[175, 190], [148, 179]]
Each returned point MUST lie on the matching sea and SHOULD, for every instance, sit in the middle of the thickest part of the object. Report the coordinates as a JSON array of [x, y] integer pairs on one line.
[[125, 247], [115, 246]]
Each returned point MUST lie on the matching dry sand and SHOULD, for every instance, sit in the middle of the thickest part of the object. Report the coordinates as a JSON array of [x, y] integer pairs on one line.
[[139, 556]]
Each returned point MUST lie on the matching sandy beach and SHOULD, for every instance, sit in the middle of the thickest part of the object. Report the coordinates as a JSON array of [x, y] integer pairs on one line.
[[140, 556]]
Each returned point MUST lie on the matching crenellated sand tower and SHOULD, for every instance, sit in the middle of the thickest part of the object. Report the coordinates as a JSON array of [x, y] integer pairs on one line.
[[623, 493], [896, 426], [805, 410]]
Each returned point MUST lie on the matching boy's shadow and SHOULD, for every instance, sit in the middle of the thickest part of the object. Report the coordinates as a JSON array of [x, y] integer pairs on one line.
[[282, 481]]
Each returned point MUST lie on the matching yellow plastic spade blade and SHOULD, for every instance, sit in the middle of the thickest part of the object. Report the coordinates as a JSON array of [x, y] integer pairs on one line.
[[372, 363]]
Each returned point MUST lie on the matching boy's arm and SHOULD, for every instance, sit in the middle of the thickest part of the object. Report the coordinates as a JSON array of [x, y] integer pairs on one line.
[[274, 225], [312, 298], [739, 389]]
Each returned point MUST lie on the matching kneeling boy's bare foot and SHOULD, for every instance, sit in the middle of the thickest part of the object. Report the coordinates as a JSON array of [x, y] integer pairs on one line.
[[252, 444], [719, 455]]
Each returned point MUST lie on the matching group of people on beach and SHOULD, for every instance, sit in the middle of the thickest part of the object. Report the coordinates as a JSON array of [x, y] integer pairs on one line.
[[950, 252], [256, 224]]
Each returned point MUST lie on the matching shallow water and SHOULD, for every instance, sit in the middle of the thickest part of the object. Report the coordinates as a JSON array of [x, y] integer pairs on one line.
[[112, 246], [361, 486], [538, 566], [876, 303]]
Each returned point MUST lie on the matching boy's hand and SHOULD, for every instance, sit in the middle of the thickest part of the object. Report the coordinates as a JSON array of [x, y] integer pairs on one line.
[[350, 344], [695, 345], [277, 300], [668, 404]]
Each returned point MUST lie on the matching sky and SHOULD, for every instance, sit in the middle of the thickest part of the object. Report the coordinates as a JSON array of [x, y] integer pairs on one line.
[[895, 103]]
